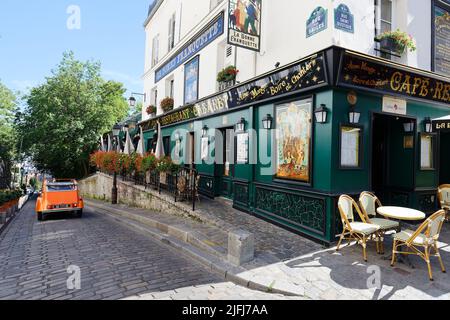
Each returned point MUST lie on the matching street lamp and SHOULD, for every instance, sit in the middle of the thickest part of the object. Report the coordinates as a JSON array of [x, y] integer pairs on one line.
[[205, 131], [354, 116], [321, 114], [240, 126], [132, 100], [116, 131], [409, 126]]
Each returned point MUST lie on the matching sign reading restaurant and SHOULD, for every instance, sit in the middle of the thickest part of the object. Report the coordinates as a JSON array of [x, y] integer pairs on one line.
[[306, 74], [360, 72], [214, 30]]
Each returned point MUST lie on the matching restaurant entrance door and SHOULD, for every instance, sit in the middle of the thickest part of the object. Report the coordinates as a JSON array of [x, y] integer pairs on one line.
[[225, 167], [392, 156], [444, 157]]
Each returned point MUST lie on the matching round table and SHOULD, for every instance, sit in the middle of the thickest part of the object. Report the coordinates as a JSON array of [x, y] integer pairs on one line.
[[400, 213], [404, 214]]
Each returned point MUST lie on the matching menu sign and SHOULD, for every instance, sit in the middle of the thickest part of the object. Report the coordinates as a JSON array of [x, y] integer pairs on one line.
[[442, 40], [376, 76], [304, 75]]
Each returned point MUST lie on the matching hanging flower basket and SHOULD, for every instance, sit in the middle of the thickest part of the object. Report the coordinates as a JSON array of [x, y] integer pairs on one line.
[[151, 110], [227, 74], [167, 104], [397, 42]]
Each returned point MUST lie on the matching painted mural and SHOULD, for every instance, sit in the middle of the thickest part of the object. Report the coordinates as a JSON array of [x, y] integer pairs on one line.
[[294, 125]]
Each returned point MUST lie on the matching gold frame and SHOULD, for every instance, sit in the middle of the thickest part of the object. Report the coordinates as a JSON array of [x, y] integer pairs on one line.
[[415, 248]]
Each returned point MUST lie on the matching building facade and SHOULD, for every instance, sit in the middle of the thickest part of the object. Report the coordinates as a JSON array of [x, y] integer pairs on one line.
[[261, 139]]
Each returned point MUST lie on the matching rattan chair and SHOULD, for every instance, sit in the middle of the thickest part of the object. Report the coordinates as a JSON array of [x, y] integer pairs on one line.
[[369, 203], [360, 232], [444, 199], [426, 237]]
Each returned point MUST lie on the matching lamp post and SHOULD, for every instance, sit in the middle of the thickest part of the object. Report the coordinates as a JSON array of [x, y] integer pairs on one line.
[[116, 132], [132, 100]]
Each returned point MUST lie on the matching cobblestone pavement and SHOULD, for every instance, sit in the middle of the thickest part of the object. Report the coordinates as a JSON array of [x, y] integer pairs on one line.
[[115, 262]]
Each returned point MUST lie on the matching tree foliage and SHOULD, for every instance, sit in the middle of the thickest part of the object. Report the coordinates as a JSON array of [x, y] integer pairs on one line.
[[7, 134], [66, 116]]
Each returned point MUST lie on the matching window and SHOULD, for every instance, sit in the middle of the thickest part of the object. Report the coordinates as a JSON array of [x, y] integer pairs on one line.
[[171, 88], [155, 51], [385, 15], [166, 144], [171, 32]]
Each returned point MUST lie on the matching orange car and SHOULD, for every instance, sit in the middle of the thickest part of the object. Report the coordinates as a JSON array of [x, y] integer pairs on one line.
[[59, 196]]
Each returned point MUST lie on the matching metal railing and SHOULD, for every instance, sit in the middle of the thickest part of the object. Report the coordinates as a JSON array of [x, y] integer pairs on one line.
[[183, 185]]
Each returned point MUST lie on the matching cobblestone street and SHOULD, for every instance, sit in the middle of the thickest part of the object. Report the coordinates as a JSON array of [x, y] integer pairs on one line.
[[115, 263]]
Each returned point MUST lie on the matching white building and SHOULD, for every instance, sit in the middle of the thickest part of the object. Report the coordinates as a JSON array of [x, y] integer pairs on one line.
[[172, 24]]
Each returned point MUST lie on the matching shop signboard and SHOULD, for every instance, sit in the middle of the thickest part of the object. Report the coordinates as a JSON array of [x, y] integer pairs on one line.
[[378, 76], [441, 38], [214, 30], [244, 24]]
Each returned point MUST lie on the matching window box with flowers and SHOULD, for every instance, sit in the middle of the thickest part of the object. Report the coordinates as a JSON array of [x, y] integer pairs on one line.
[[227, 77], [151, 110], [167, 104], [396, 41]]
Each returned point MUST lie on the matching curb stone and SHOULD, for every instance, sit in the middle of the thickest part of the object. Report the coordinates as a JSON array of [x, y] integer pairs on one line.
[[237, 275]]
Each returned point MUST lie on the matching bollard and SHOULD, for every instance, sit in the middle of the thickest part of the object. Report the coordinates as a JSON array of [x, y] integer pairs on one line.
[[241, 247]]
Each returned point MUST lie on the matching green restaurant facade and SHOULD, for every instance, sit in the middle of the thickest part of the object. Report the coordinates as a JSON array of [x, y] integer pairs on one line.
[[375, 137]]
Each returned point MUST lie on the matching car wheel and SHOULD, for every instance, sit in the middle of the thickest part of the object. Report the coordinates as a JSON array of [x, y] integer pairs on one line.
[[80, 214], [40, 216]]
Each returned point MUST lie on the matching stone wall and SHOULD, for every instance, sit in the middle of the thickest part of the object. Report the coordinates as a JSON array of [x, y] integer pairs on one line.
[[98, 187]]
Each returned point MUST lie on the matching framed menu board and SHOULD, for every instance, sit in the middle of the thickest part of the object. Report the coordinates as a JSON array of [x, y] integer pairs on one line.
[[242, 146], [427, 151], [350, 147], [441, 37]]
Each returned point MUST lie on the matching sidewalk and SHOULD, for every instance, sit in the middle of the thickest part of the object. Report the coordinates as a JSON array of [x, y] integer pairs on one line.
[[284, 262]]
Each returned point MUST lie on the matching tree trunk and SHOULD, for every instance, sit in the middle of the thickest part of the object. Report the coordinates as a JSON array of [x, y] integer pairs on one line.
[[5, 174]]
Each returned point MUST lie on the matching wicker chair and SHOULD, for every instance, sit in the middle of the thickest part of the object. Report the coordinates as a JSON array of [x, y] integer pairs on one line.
[[444, 199], [369, 203], [426, 237], [360, 232]]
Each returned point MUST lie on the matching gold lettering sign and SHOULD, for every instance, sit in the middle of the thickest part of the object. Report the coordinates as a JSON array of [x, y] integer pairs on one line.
[[358, 72]]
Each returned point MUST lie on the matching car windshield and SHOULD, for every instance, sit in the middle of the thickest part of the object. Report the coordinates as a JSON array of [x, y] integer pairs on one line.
[[61, 187]]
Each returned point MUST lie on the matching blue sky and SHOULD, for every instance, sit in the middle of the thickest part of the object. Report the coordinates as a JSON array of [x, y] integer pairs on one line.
[[34, 34]]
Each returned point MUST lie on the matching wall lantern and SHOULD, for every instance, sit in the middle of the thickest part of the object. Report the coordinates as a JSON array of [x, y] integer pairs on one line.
[[321, 114], [205, 131], [177, 137], [240, 126], [354, 116], [409, 126], [428, 124], [268, 122], [132, 102]]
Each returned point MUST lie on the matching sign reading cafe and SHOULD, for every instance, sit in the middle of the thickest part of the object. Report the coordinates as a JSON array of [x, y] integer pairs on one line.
[[244, 24], [376, 76], [204, 38]]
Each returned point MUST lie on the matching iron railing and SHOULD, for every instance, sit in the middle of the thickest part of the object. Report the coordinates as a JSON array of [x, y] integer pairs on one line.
[[183, 185]]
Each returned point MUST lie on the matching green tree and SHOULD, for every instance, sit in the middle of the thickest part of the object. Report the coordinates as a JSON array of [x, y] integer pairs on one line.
[[8, 135], [66, 116]]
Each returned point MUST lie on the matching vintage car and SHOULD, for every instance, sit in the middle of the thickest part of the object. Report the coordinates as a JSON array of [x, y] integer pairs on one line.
[[59, 196]]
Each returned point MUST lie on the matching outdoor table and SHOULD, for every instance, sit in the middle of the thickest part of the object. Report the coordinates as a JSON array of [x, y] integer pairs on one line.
[[401, 214]]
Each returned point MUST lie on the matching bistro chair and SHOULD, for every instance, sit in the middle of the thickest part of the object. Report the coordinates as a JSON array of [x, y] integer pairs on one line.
[[369, 204], [444, 199], [360, 232], [426, 237]]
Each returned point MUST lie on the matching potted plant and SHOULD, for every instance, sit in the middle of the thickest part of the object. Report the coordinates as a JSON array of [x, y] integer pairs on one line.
[[397, 41], [227, 77], [167, 104], [151, 110], [164, 166], [148, 165]]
